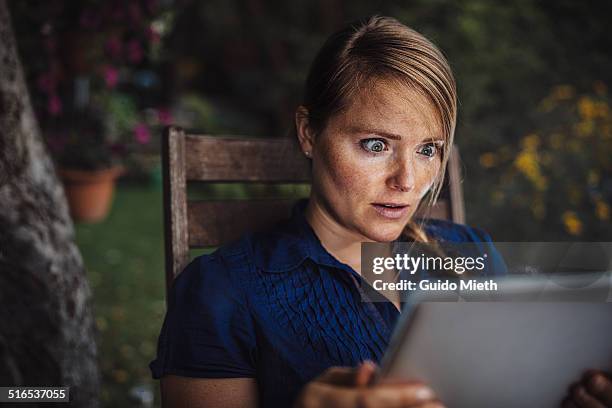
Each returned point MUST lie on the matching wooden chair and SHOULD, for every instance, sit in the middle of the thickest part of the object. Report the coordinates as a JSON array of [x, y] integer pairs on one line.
[[199, 158]]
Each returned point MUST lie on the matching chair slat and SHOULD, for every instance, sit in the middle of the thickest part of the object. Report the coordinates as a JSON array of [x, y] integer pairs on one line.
[[175, 202], [227, 159], [212, 223]]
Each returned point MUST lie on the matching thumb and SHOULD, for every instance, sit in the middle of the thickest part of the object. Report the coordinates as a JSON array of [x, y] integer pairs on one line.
[[365, 373]]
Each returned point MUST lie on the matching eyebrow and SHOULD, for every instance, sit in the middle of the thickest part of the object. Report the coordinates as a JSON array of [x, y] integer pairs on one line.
[[394, 136]]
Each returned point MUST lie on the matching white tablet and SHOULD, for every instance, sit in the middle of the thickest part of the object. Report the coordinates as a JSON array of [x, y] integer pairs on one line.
[[505, 353]]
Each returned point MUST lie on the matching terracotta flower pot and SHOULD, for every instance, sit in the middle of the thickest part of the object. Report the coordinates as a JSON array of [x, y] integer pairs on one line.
[[90, 193]]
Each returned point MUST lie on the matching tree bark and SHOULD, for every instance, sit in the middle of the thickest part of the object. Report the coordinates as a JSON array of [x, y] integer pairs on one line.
[[46, 324]]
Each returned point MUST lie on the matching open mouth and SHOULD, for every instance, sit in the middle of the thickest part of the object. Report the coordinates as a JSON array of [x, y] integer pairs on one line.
[[391, 210]]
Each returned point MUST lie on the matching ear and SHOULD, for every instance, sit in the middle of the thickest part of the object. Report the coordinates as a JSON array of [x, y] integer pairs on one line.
[[304, 131]]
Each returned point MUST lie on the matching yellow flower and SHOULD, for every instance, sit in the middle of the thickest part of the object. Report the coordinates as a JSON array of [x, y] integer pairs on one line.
[[602, 210], [586, 108], [488, 160], [527, 163], [572, 223]]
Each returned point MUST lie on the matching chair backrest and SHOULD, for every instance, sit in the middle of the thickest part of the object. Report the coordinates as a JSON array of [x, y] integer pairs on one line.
[[199, 158]]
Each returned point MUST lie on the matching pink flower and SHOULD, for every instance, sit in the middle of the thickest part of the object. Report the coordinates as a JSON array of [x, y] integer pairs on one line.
[[141, 133], [164, 116], [54, 105], [111, 76], [135, 52]]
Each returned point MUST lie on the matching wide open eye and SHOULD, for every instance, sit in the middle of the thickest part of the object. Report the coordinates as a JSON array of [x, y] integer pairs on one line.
[[374, 145], [429, 149]]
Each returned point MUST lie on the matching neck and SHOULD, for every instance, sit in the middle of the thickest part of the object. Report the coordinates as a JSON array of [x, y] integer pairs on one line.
[[343, 244]]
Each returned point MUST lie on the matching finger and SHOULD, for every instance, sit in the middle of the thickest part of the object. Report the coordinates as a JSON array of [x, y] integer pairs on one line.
[[395, 396], [600, 387], [583, 399], [343, 376], [395, 381], [365, 373]]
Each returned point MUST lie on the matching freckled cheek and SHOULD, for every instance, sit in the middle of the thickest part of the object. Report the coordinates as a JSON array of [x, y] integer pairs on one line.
[[348, 175], [424, 178]]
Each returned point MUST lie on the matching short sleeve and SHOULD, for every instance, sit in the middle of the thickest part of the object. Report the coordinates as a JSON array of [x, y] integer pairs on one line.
[[208, 330]]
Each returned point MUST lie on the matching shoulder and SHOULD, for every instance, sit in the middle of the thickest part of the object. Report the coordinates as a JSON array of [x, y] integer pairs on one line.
[[208, 330], [448, 231], [214, 279]]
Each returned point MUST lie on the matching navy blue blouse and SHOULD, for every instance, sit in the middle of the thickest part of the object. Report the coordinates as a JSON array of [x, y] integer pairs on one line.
[[277, 307]]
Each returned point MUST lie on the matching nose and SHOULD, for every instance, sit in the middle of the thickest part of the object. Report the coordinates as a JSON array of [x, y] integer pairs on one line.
[[402, 177]]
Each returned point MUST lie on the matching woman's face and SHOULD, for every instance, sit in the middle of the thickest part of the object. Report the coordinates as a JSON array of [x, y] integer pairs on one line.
[[374, 161]]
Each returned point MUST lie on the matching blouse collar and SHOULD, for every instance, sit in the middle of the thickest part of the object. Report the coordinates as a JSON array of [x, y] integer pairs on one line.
[[292, 243]]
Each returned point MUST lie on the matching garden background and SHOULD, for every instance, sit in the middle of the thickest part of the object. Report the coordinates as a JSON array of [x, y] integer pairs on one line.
[[534, 130]]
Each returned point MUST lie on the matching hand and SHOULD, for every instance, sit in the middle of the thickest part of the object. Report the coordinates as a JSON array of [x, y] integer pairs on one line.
[[344, 387], [594, 390]]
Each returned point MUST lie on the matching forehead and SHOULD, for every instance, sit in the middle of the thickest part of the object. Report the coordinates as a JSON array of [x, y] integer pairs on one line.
[[393, 107]]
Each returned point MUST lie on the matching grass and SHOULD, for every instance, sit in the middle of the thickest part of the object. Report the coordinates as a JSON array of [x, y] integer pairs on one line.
[[124, 258]]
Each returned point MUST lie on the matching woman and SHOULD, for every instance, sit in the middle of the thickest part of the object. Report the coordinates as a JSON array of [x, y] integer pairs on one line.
[[271, 319]]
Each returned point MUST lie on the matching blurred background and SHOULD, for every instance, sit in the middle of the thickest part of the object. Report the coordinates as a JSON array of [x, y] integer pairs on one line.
[[534, 130]]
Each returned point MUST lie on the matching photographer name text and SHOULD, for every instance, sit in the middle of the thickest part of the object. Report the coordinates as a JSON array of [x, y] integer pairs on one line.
[[437, 285]]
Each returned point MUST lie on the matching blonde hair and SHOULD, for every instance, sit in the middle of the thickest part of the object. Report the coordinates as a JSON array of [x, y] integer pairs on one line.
[[382, 47]]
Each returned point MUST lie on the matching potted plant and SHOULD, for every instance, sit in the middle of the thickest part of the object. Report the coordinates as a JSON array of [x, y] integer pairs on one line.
[[88, 164], [93, 88]]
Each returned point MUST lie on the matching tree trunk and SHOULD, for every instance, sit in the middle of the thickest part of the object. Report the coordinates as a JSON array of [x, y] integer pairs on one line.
[[46, 325]]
